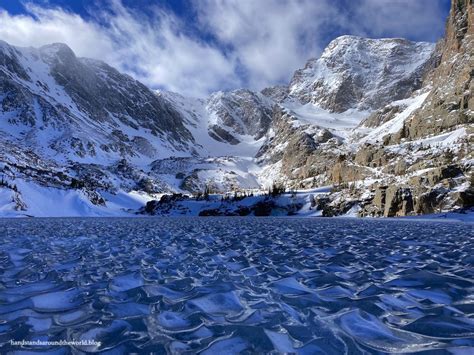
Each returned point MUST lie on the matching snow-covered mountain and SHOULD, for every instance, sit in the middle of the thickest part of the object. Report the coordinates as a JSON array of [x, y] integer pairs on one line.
[[82, 109], [376, 118], [362, 73]]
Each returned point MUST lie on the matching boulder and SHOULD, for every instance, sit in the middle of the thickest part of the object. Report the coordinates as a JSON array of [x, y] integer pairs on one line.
[[398, 201], [151, 206], [428, 202], [464, 199], [400, 167], [373, 156]]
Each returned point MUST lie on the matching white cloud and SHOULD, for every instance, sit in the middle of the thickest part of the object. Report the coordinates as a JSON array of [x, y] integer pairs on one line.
[[153, 50], [269, 38], [255, 43], [54, 25]]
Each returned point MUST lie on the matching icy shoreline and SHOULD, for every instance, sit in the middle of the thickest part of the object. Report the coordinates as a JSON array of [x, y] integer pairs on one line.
[[40, 201]]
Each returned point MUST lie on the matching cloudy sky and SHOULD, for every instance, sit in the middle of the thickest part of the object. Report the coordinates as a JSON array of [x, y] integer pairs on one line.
[[198, 46]]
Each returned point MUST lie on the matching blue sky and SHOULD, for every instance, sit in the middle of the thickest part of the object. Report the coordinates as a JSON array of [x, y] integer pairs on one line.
[[198, 46]]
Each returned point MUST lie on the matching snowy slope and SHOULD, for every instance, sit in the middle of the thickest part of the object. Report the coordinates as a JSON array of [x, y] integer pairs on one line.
[[202, 116], [83, 110], [408, 106]]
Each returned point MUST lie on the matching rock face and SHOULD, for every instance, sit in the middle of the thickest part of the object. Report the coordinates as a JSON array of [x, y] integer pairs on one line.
[[451, 102], [362, 73], [277, 93], [295, 146], [102, 92], [398, 202], [391, 201]]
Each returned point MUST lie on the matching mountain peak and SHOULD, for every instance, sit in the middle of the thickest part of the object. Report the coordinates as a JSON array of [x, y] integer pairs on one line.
[[344, 42], [58, 50], [361, 73]]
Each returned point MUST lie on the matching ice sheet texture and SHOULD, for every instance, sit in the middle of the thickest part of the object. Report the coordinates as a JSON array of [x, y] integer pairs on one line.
[[238, 285]]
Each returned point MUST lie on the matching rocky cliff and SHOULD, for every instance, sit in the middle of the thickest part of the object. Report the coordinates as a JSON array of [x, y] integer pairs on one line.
[[450, 104]]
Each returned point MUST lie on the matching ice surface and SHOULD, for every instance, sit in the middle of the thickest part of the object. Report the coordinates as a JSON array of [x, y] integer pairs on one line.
[[218, 303], [126, 282], [56, 301], [72, 317], [289, 286], [233, 285], [227, 346], [281, 342], [172, 320]]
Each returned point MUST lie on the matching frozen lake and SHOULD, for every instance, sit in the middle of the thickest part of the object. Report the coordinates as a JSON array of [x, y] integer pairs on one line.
[[230, 285]]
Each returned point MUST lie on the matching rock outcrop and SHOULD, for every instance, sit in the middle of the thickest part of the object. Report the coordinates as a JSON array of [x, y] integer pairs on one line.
[[450, 103]]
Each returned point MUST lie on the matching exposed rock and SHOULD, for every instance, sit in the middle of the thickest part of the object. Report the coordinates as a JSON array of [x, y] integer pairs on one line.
[[429, 202], [337, 209], [372, 156], [302, 149], [400, 167], [222, 135], [464, 199], [381, 116], [264, 208], [388, 201], [380, 197], [277, 93], [95, 197], [166, 203], [398, 201], [344, 172], [451, 101], [436, 175]]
